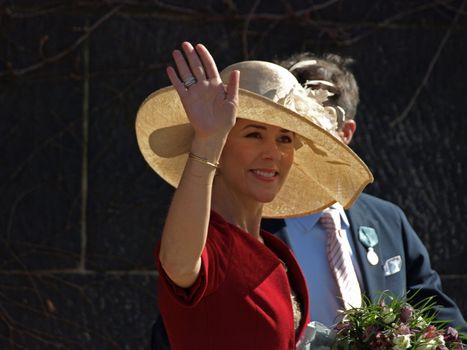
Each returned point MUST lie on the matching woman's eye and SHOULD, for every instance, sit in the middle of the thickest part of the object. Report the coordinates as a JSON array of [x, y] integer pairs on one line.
[[285, 139], [255, 135]]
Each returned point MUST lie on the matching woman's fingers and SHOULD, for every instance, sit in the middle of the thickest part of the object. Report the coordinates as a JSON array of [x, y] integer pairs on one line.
[[208, 62], [232, 87], [197, 64], [176, 82], [194, 61], [184, 71]]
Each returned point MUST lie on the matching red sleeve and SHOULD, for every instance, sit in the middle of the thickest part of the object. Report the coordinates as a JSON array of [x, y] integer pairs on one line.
[[186, 296], [214, 264]]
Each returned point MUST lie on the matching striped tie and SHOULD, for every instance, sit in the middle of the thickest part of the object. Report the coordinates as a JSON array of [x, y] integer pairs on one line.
[[340, 260]]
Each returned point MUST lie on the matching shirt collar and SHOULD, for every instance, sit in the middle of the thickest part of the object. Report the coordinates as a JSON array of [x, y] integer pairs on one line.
[[307, 222], [341, 210]]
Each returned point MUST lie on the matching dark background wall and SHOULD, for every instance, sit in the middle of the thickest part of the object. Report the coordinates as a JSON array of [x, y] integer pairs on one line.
[[80, 211]]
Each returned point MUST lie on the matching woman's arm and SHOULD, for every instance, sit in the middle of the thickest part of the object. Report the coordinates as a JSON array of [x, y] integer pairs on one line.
[[211, 109]]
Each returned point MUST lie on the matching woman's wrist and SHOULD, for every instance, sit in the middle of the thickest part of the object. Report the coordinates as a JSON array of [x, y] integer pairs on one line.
[[203, 160], [207, 150]]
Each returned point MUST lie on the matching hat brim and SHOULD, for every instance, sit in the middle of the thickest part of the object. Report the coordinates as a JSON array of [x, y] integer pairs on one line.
[[324, 170]]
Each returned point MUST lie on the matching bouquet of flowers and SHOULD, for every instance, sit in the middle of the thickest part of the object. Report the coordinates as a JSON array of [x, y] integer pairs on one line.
[[393, 323]]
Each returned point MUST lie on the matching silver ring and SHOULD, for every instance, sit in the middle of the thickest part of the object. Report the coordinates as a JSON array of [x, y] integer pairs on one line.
[[189, 81]]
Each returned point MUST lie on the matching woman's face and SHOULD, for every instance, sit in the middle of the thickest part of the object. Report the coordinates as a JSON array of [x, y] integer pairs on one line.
[[256, 160]]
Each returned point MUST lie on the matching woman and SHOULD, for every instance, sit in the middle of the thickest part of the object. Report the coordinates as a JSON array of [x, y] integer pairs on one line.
[[225, 284]]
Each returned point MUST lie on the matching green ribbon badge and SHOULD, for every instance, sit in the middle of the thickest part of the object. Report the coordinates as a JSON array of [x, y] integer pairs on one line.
[[369, 238]]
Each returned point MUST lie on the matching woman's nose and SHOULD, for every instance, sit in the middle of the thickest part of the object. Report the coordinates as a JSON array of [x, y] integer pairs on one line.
[[271, 150]]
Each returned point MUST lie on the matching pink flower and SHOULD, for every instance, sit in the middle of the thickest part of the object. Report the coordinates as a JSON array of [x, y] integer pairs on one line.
[[406, 313], [403, 329], [430, 332], [380, 342], [451, 334]]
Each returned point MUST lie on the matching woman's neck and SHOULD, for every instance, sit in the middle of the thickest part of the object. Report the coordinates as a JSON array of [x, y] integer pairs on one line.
[[243, 214]]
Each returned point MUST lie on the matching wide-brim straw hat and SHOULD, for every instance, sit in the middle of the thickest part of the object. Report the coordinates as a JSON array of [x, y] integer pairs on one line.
[[324, 169]]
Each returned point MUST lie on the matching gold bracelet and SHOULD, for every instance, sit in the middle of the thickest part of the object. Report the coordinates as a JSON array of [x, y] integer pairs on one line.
[[203, 160]]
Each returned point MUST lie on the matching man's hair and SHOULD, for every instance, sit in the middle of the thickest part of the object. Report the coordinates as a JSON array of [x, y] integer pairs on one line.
[[331, 68]]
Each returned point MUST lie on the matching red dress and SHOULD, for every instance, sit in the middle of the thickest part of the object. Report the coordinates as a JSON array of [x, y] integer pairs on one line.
[[241, 299]]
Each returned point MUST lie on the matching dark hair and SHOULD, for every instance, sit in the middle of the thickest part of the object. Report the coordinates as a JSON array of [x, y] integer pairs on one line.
[[332, 68]]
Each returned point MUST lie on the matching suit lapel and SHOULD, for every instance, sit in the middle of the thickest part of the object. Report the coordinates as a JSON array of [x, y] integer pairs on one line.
[[282, 234], [277, 227], [372, 275]]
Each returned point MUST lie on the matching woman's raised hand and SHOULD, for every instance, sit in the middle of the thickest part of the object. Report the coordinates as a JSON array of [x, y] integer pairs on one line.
[[210, 107]]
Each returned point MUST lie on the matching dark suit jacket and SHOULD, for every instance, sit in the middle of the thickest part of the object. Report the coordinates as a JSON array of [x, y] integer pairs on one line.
[[396, 237]]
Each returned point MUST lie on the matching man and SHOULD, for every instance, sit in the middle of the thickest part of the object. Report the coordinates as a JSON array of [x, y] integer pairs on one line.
[[386, 253]]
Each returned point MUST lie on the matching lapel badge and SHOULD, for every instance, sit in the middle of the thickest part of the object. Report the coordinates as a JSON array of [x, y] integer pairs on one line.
[[368, 237]]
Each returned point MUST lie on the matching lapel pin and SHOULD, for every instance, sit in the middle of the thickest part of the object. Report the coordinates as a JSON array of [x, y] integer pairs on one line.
[[369, 238]]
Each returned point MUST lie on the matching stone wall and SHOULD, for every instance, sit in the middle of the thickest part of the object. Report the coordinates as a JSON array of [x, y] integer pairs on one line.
[[80, 209]]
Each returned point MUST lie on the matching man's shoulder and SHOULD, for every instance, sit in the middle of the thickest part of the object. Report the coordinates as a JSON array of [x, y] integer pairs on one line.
[[379, 209], [370, 201], [368, 204]]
